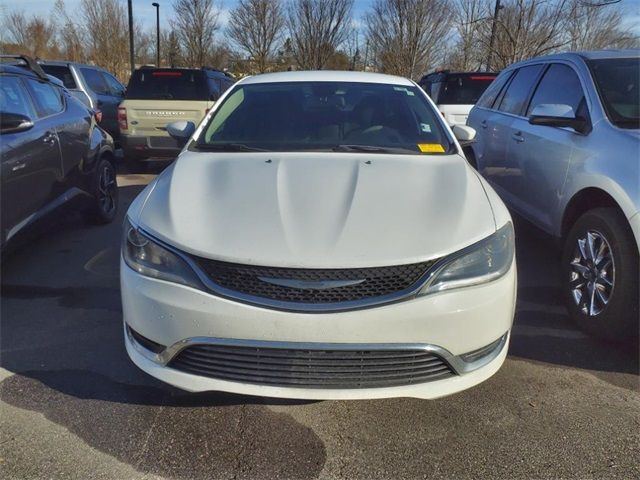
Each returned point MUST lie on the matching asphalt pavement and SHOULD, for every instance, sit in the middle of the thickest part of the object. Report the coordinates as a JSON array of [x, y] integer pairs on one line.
[[72, 405]]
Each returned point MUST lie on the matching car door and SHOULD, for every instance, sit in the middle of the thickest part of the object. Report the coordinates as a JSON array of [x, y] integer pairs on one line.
[[110, 112], [31, 160], [543, 153], [498, 166], [105, 100]]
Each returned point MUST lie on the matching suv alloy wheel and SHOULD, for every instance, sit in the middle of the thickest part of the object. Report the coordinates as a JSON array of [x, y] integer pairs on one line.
[[600, 274]]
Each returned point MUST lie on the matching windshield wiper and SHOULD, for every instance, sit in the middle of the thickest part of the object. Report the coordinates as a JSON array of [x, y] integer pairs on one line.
[[371, 149], [228, 147]]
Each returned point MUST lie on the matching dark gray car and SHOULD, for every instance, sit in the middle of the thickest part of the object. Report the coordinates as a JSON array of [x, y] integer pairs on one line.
[[52, 153], [92, 85]]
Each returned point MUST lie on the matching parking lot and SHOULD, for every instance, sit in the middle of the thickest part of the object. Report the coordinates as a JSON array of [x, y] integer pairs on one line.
[[74, 406]]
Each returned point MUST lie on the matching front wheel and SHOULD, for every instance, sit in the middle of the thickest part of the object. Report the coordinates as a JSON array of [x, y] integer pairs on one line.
[[600, 274], [105, 193]]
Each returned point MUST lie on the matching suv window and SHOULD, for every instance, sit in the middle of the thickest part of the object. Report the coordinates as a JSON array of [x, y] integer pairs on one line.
[[463, 89], [48, 97], [115, 87], [95, 80], [491, 93], [559, 85], [214, 88], [226, 84], [61, 72], [168, 84], [14, 98], [518, 90], [426, 86]]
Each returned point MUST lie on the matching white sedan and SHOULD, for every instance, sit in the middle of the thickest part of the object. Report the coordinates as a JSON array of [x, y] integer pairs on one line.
[[320, 236]]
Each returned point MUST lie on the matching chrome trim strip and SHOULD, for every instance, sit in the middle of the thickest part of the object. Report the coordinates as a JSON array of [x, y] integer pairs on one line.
[[310, 284], [458, 365]]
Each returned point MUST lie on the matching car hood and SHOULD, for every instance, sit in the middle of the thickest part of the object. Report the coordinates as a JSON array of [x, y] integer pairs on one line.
[[322, 210]]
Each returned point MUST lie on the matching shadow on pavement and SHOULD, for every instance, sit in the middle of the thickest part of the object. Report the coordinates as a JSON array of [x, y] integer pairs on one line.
[[61, 335], [543, 330]]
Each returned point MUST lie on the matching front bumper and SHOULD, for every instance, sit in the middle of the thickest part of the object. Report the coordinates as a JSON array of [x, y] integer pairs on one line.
[[450, 323]]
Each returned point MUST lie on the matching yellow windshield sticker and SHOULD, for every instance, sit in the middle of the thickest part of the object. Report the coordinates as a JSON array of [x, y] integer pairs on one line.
[[431, 148]]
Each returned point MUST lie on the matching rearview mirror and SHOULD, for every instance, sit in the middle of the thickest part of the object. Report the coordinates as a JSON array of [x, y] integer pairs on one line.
[[181, 131], [14, 122], [558, 115], [465, 135]]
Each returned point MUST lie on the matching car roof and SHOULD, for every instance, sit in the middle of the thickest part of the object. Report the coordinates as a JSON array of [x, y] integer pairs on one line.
[[447, 72], [581, 56], [327, 76], [20, 70], [16, 69], [63, 63]]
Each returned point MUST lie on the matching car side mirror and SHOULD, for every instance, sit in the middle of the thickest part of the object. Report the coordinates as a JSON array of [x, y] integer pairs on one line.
[[464, 134], [181, 131], [14, 122], [558, 115]]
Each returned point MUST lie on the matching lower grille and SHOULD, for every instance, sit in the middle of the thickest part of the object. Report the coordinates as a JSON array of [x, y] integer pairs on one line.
[[312, 368]]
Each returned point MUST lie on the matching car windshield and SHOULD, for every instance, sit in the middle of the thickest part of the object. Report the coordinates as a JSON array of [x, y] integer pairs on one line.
[[463, 89], [618, 83], [325, 116], [167, 84]]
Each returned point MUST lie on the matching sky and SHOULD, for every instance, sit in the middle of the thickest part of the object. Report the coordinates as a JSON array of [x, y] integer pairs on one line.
[[144, 12]]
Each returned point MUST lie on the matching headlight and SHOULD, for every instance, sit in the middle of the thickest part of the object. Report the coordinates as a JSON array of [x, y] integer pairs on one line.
[[152, 260], [482, 262]]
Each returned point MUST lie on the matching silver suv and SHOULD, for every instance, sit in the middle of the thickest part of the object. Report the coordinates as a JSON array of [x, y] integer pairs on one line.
[[559, 140], [93, 86]]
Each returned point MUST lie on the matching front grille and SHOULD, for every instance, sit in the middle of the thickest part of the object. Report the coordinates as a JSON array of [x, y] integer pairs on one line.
[[312, 368], [253, 280]]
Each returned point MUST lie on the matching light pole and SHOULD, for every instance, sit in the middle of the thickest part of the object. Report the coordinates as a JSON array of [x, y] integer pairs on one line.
[[493, 34], [133, 65], [157, 5]]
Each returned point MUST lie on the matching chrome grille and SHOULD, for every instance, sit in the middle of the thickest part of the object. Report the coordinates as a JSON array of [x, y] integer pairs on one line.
[[312, 368], [310, 289]]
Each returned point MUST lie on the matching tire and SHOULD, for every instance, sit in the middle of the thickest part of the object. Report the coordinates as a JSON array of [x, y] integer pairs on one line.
[[104, 206], [602, 296]]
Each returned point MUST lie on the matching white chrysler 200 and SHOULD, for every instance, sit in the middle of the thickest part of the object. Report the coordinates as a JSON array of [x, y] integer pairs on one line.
[[320, 236]]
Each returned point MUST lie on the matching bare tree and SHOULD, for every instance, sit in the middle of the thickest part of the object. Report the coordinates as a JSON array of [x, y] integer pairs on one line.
[[196, 22], [529, 28], [469, 18], [256, 27], [352, 48], [33, 36], [69, 34], [317, 29], [407, 36], [592, 27], [170, 48], [106, 33]]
